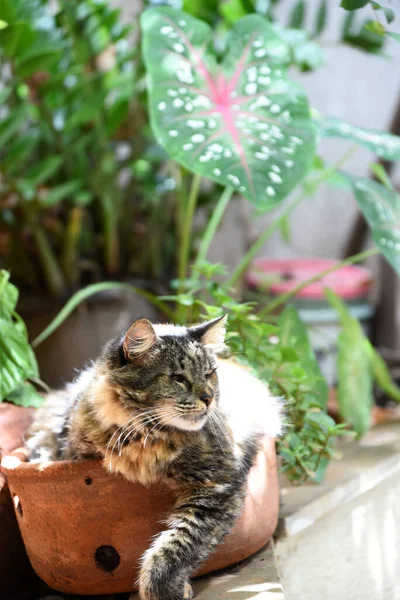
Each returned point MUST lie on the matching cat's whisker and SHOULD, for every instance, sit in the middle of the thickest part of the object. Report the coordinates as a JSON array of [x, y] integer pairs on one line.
[[211, 421], [173, 416], [115, 433], [146, 421], [171, 413], [140, 420], [124, 426]]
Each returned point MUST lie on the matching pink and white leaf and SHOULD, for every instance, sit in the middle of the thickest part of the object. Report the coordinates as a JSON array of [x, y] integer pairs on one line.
[[239, 122]]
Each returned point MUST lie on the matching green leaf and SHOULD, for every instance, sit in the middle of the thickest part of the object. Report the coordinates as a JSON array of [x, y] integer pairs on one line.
[[375, 27], [19, 150], [116, 115], [88, 111], [394, 35], [5, 93], [241, 122], [294, 334], [380, 173], [361, 36], [389, 13], [321, 419], [43, 170], [11, 124], [36, 61], [381, 210], [25, 395], [16, 38], [17, 361], [289, 355], [382, 375], [305, 53], [355, 380], [285, 230], [346, 318], [297, 15], [353, 4], [8, 296], [354, 369], [232, 10], [8, 11], [385, 145], [60, 192], [320, 19], [3, 24]]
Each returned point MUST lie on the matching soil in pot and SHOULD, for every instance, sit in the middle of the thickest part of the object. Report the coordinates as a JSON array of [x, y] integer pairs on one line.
[[85, 530]]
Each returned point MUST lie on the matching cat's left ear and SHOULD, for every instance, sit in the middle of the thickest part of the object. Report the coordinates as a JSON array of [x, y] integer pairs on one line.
[[211, 333], [139, 339]]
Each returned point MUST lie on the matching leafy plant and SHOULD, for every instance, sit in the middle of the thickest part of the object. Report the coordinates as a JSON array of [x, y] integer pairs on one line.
[[81, 180], [240, 122], [359, 364], [222, 107], [17, 361]]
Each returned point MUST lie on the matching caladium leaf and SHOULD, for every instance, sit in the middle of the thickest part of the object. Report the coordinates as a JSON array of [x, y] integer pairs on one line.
[[354, 368], [294, 334], [381, 209], [239, 122], [385, 145]]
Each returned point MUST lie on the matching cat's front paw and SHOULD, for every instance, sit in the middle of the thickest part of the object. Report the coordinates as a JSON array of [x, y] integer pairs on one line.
[[157, 582], [188, 591]]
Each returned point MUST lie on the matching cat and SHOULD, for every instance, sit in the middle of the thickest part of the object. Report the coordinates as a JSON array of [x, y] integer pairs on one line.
[[159, 404]]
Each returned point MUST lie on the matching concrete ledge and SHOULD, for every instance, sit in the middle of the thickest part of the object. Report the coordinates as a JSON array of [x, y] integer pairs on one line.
[[342, 539], [256, 578]]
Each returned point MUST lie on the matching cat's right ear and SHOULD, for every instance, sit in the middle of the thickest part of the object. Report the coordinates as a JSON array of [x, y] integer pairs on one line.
[[139, 339]]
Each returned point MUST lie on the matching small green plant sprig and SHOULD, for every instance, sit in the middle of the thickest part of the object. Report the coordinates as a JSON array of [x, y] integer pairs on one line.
[[18, 366], [279, 352]]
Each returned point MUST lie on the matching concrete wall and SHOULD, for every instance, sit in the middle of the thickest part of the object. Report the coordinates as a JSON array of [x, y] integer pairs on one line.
[[360, 88]]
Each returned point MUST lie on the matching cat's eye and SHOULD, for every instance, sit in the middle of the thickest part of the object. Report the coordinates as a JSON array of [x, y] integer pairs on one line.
[[211, 373], [181, 379]]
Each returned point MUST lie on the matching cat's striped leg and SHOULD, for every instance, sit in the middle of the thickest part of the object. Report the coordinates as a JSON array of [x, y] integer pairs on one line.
[[197, 525]]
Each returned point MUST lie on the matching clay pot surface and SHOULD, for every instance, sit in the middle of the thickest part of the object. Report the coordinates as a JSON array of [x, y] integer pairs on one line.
[[85, 530], [17, 578]]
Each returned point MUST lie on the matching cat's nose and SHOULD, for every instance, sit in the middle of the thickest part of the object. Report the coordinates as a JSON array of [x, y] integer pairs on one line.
[[206, 397]]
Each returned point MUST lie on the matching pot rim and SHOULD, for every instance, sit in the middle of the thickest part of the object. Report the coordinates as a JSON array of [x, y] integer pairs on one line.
[[15, 464]]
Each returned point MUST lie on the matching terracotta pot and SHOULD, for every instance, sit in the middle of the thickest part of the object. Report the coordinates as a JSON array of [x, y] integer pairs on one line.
[[17, 578], [85, 530]]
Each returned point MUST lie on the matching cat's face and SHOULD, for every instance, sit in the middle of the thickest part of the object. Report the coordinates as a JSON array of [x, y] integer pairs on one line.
[[172, 371]]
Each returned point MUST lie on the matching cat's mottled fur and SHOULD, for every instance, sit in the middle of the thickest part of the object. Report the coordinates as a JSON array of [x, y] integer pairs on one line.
[[158, 404]]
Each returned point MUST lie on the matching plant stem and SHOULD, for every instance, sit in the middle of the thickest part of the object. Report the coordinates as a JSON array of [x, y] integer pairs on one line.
[[315, 278], [264, 236], [187, 227], [52, 272], [69, 258], [212, 226], [110, 222], [90, 290], [260, 241]]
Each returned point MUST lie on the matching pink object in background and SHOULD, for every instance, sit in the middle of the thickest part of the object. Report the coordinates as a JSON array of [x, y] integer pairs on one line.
[[281, 276]]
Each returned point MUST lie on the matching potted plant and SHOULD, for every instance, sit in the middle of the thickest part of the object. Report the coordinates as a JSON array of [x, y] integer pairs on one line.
[[277, 348]]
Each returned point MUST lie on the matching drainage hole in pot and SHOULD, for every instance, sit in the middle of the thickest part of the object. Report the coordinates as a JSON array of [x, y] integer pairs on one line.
[[18, 505], [107, 558], [88, 480]]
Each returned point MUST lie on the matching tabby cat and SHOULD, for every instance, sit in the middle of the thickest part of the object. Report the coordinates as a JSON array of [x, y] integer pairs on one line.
[[158, 404]]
